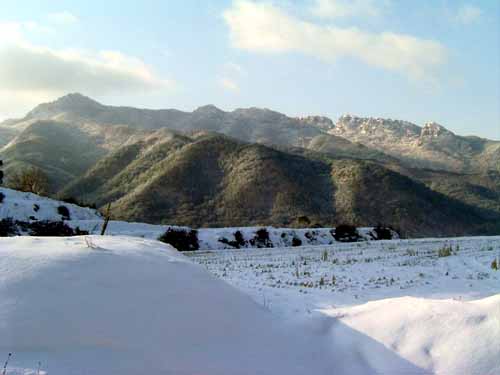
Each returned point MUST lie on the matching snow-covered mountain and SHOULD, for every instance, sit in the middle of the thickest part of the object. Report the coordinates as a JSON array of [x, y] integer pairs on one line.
[[431, 146]]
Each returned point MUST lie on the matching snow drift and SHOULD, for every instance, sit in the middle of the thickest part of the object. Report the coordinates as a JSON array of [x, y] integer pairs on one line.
[[121, 305], [442, 336]]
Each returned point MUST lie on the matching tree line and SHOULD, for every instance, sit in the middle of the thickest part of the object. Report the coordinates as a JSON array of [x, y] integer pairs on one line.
[[30, 180]]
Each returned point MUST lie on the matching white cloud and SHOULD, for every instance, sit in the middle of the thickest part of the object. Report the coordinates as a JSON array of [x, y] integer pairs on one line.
[[231, 74], [468, 14], [14, 104], [31, 71], [26, 67], [346, 8], [235, 68], [229, 84], [63, 18], [11, 32], [265, 28]]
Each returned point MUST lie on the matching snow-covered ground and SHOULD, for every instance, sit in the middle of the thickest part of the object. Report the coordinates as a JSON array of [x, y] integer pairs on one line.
[[442, 314], [126, 305], [216, 238], [300, 280], [27, 206], [122, 305]]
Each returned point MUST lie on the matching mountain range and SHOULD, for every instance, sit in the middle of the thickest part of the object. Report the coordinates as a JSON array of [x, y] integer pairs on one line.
[[256, 166]]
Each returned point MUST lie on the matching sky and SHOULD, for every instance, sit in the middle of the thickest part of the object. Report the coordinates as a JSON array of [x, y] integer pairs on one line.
[[415, 60]]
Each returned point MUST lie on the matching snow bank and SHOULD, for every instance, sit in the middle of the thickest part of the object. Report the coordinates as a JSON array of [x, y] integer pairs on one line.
[[221, 238], [122, 305], [442, 336], [27, 206]]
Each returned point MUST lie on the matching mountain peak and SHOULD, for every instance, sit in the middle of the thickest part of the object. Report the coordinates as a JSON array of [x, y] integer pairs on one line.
[[209, 108], [321, 122], [349, 125], [76, 97], [433, 129], [74, 102]]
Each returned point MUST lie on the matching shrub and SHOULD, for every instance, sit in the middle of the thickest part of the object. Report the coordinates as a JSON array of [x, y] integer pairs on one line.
[[444, 251], [261, 239], [381, 232], [8, 228], [2, 197], [494, 265], [238, 239], [64, 212], [45, 228], [48, 228], [181, 239], [238, 242], [296, 241], [303, 221], [346, 233], [311, 236]]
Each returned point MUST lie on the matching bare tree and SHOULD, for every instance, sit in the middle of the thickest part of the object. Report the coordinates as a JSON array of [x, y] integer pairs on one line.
[[32, 180]]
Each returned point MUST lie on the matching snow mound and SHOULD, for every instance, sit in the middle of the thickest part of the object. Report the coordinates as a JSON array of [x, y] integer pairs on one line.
[[27, 206], [122, 305], [442, 336]]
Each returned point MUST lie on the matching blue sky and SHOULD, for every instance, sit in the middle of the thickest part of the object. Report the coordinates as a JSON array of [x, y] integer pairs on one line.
[[419, 61]]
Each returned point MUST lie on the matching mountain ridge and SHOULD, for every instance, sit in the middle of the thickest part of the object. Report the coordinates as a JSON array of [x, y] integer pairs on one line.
[[136, 157], [429, 146]]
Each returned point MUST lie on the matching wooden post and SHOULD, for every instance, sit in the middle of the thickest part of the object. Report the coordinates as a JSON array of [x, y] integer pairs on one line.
[[107, 216], [6, 363]]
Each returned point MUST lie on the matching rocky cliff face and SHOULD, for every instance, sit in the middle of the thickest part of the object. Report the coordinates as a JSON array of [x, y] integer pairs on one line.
[[431, 146]]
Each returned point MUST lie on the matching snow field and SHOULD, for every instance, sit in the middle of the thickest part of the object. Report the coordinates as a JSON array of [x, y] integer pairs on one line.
[[353, 273], [401, 294], [123, 305]]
